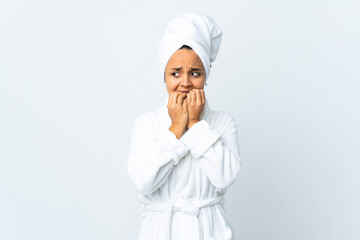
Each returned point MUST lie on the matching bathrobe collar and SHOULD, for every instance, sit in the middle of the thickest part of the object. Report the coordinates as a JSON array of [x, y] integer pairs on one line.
[[165, 120]]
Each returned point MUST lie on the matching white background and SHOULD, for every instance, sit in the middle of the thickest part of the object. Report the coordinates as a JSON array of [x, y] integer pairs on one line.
[[74, 75]]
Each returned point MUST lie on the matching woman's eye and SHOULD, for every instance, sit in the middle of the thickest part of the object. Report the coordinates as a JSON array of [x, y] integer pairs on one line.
[[174, 74], [196, 74]]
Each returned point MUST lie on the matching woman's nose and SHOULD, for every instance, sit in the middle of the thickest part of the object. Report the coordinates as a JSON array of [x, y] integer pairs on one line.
[[186, 81]]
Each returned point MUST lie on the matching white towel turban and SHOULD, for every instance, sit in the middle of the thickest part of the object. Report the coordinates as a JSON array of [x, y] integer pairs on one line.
[[198, 31]]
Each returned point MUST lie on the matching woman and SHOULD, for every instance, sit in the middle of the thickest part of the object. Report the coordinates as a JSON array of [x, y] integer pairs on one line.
[[184, 156]]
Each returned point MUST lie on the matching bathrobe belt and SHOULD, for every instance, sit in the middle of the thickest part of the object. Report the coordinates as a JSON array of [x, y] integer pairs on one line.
[[191, 207]]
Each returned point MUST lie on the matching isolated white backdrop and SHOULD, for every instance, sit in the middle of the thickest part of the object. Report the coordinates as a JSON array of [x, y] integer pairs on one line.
[[74, 74]]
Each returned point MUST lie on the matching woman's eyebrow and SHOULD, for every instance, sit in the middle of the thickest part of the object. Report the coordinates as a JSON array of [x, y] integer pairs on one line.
[[179, 68]]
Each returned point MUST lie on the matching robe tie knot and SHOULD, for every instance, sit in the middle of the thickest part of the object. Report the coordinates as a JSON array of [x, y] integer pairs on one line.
[[187, 206]]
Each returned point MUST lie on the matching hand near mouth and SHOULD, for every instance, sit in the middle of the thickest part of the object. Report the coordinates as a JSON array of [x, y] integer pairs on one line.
[[178, 112], [185, 109], [195, 105]]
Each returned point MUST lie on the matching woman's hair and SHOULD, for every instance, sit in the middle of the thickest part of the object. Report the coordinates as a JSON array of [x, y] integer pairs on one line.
[[185, 47]]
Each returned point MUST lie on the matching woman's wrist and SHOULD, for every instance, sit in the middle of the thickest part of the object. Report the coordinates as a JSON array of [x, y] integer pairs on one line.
[[178, 131], [192, 122]]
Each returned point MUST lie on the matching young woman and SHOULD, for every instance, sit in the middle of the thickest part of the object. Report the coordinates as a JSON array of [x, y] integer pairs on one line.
[[184, 156]]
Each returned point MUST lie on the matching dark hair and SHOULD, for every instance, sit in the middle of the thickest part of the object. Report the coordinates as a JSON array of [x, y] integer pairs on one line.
[[185, 47]]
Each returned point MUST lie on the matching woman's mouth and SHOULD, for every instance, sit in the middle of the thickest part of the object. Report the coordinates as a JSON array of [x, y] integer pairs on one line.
[[185, 91]]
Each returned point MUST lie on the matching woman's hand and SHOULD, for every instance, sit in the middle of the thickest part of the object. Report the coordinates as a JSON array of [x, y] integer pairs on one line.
[[178, 112], [195, 102]]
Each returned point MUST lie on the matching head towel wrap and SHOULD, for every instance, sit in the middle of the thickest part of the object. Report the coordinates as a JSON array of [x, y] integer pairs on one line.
[[198, 31]]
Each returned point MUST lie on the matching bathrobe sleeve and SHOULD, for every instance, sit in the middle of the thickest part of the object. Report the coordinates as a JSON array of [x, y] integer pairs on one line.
[[153, 154], [217, 150]]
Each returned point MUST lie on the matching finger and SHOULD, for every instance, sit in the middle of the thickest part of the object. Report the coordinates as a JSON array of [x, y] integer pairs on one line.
[[198, 96], [180, 98], [170, 99], [173, 99], [202, 96], [193, 96], [183, 95], [185, 104], [189, 98], [176, 97]]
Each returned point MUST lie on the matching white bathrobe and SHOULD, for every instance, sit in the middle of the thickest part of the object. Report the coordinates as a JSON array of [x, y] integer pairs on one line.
[[181, 182]]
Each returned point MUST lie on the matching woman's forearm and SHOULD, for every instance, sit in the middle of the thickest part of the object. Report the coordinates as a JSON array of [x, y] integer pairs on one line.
[[177, 130]]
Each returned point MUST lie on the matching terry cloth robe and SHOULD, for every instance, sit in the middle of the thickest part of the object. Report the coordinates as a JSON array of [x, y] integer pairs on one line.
[[181, 182]]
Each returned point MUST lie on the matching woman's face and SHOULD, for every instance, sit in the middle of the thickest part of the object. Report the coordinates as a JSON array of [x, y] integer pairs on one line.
[[184, 72]]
